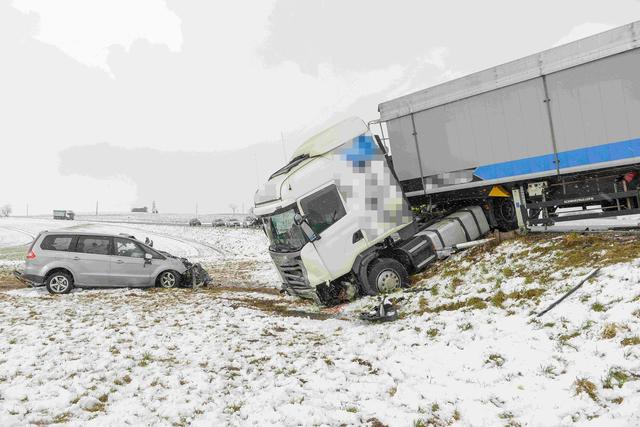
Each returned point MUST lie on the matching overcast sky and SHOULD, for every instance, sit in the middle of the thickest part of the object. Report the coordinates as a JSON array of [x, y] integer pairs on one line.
[[127, 101]]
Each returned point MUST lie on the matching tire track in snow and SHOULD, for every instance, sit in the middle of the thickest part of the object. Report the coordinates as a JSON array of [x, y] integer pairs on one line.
[[193, 243], [19, 230]]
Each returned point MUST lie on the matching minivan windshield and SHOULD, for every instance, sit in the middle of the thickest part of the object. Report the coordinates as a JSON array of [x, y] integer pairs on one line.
[[284, 234]]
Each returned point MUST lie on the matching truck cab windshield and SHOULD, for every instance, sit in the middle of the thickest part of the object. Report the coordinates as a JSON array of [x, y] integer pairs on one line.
[[284, 234]]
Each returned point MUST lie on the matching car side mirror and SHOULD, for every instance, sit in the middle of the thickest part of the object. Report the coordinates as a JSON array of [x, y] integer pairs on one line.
[[301, 222], [148, 258]]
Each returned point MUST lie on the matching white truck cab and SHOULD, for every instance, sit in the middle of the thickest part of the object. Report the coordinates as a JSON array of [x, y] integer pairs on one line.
[[332, 216]]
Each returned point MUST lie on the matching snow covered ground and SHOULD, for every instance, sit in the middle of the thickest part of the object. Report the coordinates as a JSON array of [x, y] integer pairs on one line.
[[468, 348]]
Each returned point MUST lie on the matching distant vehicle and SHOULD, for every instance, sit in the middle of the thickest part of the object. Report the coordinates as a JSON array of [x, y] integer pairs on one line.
[[195, 222], [62, 261], [233, 222], [64, 214], [250, 221], [143, 209], [218, 222]]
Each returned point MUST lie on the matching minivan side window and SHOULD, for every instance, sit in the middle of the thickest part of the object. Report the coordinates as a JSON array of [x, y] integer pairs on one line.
[[93, 245], [56, 243], [128, 248], [323, 208]]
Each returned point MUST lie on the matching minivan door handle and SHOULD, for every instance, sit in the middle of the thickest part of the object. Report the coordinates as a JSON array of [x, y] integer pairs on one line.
[[119, 261], [76, 258]]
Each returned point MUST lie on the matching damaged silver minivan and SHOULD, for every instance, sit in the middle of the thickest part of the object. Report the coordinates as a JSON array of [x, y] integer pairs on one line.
[[64, 260]]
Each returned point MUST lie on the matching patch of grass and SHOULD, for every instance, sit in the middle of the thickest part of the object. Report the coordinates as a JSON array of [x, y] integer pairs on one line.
[[618, 400], [598, 307], [423, 304], [473, 303], [392, 391], [495, 359], [498, 299], [433, 332], [583, 385], [104, 398], [97, 407], [615, 377], [549, 371], [566, 337], [507, 272], [233, 408], [146, 359], [465, 326], [61, 418], [328, 361], [609, 331], [635, 340], [352, 409]]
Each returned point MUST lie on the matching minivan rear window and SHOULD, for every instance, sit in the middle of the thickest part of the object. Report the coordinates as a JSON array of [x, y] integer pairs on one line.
[[56, 243], [93, 245]]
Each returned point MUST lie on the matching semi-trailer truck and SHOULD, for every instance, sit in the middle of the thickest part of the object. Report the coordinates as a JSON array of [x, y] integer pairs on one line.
[[63, 214], [521, 144]]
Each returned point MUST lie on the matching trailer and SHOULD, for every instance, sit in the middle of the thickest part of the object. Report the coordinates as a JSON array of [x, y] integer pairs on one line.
[[353, 213], [551, 131]]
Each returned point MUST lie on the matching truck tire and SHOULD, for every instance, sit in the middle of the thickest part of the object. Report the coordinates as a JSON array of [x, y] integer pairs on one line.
[[59, 282], [504, 211], [386, 275]]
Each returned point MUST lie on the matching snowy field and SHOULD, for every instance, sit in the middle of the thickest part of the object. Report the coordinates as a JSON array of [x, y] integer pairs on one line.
[[468, 348]]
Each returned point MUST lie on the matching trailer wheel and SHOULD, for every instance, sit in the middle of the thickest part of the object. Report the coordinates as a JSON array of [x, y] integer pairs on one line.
[[387, 274], [504, 211]]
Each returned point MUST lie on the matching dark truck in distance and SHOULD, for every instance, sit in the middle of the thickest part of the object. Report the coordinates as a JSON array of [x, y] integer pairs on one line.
[[64, 214]]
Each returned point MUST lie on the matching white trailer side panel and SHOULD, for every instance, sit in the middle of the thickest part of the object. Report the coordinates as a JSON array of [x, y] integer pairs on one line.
[[498, 125]]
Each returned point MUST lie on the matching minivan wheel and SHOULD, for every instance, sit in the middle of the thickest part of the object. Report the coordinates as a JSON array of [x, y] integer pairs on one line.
[[388, 274], [168, 279], [59, 283]]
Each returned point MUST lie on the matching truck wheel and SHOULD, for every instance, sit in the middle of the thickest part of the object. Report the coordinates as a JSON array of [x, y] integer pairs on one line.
[[59, 282], [387, 274], [168, 279], [504, 211]]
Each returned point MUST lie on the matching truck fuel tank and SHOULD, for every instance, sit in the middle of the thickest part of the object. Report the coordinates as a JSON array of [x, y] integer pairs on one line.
[[461, 226]]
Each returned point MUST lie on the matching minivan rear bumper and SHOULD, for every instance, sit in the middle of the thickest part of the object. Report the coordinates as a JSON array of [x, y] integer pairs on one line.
[[29, 279]]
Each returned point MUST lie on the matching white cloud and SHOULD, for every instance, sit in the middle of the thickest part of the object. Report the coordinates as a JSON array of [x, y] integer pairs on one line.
[[583, 30], [86, 29]]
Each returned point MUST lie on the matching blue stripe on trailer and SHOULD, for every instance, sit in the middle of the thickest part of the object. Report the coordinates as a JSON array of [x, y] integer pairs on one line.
[[572, 158]]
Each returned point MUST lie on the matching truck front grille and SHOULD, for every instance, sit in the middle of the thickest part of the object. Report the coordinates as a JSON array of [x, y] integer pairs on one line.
[[291, 270]]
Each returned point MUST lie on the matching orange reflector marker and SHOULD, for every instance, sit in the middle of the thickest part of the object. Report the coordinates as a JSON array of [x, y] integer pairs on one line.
[[499, 191]]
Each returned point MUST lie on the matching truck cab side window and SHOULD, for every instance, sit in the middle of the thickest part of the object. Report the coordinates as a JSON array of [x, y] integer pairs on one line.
[[323, 208]]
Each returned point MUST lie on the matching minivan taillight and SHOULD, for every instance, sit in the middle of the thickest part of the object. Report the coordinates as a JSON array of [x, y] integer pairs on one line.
[[31, 255]]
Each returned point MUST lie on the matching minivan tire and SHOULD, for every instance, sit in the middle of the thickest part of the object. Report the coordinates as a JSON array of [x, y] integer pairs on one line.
[[168, 279], [59, 282], [387, 274]]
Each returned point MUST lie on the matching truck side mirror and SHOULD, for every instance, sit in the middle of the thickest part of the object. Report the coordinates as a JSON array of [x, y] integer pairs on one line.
[[301, 222]]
